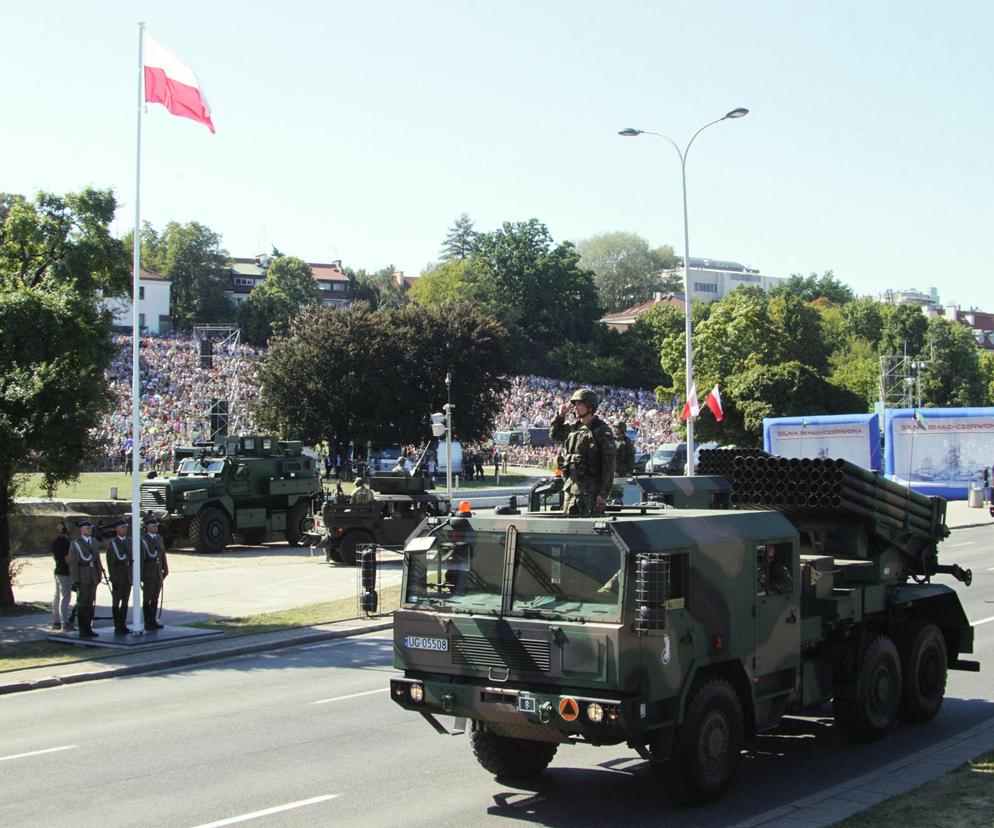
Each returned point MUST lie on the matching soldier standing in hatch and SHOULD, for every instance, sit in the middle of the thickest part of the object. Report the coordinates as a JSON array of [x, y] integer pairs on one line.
[[361, 494], [625, 461], [589, 454], [86, 572], [154, 570], [119, 572]]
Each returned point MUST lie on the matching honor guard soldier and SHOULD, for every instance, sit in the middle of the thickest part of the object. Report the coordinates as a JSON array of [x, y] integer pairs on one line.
[[154, 569], [86, 572], [120, 571], [589, 454]]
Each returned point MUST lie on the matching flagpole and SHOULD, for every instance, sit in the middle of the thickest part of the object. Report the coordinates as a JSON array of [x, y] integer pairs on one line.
[[137, 618]]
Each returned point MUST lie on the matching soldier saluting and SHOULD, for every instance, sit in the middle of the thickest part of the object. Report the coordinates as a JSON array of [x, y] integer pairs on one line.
[[119, 571], [154, 570], [589, 454], [86, 573]]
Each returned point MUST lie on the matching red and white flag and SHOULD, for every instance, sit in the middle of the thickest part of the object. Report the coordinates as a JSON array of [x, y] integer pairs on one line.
[[713, 402], [691, 408], [173, 84]]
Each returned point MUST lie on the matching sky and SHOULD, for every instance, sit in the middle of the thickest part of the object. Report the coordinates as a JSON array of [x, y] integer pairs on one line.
[[360, 131]]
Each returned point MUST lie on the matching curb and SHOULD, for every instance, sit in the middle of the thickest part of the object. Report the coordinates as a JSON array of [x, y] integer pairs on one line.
[[186, 661]]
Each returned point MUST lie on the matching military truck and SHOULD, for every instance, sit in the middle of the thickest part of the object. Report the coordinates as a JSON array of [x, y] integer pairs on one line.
[[249, 485], [680, 632], [401, 503]]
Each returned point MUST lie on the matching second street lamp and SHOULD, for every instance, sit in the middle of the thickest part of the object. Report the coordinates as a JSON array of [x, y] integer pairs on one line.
[[631, 132]]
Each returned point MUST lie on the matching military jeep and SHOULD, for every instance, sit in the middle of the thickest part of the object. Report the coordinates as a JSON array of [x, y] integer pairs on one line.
[[247, 485]]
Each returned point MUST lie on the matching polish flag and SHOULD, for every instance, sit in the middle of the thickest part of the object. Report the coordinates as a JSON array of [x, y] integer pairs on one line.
[[691, 408], [173, 84], [713, 402]]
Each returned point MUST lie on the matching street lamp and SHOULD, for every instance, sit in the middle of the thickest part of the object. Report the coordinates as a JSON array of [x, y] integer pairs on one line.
[[630, 132]]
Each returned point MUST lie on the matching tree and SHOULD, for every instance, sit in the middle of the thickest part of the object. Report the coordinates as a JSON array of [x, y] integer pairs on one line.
[[863, 318], [460, 240], [444, 283], [903, 331], [191, 258], [952, 376], [802, 330], [987, 375], [810, 288], [626, 271], [55, 255], [856, 368], [379, 289], [387, 370], [288, 287], [536, 289]]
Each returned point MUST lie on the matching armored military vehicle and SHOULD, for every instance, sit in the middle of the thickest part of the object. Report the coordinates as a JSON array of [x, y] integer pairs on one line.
[[249, 485], [682, 632]]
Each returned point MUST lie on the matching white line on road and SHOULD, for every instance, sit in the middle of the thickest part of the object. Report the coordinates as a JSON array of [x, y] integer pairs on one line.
[[37, 752], [982, 621], [274, 810], [353, 695]]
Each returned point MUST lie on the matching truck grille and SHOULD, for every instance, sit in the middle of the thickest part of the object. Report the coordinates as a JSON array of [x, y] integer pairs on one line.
[[512, 653], [153, 496]]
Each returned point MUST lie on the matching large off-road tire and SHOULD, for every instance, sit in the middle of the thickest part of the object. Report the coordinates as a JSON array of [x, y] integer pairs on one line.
[[922, 648], [297, 522], [867, 712], [348, 548], [210, 529], [251, 537], [508, 758], [707, 745]]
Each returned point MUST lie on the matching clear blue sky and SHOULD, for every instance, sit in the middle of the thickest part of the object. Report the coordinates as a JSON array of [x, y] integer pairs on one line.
[[359, 131]]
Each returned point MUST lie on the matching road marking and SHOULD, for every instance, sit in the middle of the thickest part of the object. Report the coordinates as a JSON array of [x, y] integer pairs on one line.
[[982, 621], [37, 752], [274, 810], [353, 695]]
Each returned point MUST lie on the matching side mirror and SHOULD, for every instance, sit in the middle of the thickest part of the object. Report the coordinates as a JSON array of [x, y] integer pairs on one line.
[[243, 473], [369, 600]]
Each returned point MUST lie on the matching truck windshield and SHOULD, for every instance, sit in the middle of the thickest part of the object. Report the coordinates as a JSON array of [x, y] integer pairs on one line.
[[461, 573], [192, 465], [567, 575]]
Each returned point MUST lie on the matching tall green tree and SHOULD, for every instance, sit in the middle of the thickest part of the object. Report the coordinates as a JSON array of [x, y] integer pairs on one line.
[[864, 318], [446, 282], [856, 367], [379, 289], [626, 270], [952, 376], [460, 241], [904, 330], [56, 254], [987, 375], [289, 287], [387, 370], [812, 287]]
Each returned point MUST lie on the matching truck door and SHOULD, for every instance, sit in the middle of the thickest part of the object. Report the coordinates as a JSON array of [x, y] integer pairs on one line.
[[776, 616]]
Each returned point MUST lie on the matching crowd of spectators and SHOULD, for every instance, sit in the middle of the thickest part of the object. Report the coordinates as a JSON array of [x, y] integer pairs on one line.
[[176, 397], [177, 393]]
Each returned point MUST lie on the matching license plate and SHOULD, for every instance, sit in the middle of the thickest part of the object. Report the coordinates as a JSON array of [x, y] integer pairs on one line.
[[526, 704], [414, 642]]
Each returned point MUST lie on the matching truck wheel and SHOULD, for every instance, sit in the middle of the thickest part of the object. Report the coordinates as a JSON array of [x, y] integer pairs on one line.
[[706, 747], [211, 530], [351, 543], [874, 671], [508, 758], [923, 670], [296, 523]]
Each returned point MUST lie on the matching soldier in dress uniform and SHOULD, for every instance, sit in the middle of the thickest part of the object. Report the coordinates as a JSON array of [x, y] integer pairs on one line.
[[589, 454], [86, 572], [154, 569], [119, 572]]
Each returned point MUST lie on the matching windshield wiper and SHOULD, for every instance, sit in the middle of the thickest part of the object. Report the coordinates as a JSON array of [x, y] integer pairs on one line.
[[549, 615]]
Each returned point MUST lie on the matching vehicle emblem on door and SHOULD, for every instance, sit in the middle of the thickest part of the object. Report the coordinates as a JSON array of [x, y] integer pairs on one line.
[[666, 649]]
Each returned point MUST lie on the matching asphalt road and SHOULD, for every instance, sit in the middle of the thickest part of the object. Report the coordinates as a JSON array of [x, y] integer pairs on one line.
[[308, 736]]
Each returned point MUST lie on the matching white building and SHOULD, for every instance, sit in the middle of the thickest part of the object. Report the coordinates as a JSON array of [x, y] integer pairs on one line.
[[711, 280], [912, 296], [153, 305]]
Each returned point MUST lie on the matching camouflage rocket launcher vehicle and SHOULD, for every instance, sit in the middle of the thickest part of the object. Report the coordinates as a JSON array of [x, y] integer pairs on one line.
[[250, 485], [682, 632]]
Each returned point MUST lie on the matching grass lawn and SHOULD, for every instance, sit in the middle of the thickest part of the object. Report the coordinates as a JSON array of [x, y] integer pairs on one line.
[[963, 798], [26, 654]]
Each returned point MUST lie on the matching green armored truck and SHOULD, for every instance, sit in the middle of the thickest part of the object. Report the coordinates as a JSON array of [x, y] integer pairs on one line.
[[249, 485], [682, 632]]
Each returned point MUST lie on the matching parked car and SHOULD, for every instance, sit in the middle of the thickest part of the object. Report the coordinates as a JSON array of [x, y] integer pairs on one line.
[[640, 460]]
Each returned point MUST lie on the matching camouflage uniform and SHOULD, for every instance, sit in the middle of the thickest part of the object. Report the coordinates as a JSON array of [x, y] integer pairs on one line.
[[589, 456], [361, 493], [625, 463]]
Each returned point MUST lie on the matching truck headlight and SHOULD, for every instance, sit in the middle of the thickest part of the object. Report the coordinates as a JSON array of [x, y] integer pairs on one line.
[[417, 693], [595, 712]]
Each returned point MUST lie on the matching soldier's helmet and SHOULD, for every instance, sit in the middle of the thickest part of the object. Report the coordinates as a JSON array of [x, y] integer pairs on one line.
[[587, 397], [360, 482], [621, 426]]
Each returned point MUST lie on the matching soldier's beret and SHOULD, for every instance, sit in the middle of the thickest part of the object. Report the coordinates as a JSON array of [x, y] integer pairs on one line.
[[84, 522]]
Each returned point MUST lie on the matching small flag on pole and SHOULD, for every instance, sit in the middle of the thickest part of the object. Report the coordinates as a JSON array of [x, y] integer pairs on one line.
[[173, 84], [691, 408], [713, 402], [920, 420]]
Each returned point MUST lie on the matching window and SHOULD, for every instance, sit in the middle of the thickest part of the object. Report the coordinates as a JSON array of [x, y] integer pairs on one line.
[[141, 292], [705, 287], [241, 281], [141, 320], [774, 565], [461, 571], [338, 286]]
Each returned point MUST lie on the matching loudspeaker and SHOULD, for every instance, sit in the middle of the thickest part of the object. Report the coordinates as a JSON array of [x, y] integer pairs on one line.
[[206, 353]]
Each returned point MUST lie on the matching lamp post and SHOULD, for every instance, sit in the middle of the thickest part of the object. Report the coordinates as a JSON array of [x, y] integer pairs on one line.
[[630, 132]]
